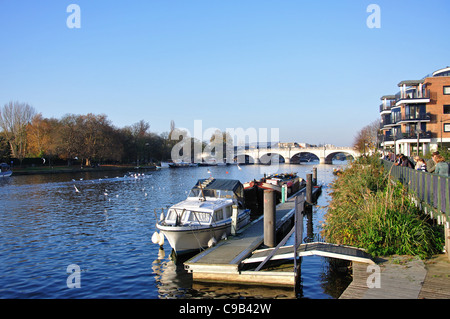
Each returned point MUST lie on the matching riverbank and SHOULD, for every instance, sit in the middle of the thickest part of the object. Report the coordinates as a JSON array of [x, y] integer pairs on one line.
[[77, 169], [370, 212]]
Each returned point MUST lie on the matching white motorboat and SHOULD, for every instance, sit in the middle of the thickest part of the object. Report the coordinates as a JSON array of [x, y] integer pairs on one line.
[[5, 170], [213, 210]]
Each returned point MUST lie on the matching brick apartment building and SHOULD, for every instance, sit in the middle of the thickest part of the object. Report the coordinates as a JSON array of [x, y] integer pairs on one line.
[[418, 115]]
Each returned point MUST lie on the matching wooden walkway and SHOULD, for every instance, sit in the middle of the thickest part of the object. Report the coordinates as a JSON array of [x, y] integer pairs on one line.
[[222, 262], [437, 281], [402, 277]]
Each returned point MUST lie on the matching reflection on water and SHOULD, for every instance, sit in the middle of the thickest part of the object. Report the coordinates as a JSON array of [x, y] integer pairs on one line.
[[103, 222]]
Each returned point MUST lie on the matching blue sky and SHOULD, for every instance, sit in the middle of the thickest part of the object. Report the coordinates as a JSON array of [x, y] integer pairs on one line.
[[313, 69]]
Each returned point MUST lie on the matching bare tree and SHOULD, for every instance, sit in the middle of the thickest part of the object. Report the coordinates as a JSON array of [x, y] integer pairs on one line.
[[14, 118], [367, 137]]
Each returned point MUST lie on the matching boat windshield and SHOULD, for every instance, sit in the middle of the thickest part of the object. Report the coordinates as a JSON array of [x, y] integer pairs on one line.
[[217, 193], [182, 216], [171, 215]]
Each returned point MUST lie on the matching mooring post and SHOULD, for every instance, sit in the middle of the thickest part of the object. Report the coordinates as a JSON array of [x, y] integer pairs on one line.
[[447, 238], [315, 176], [309, 188], [234, 219], [269, 219], [283, 194]]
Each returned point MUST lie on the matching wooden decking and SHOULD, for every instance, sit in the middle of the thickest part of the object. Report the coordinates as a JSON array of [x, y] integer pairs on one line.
[[402, 277], [437, 281]]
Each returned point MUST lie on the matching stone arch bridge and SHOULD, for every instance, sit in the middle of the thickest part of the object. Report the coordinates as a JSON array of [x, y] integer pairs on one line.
[[325, 154]]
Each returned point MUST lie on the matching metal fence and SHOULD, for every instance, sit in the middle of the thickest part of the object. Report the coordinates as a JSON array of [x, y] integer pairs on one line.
[[430, 189]]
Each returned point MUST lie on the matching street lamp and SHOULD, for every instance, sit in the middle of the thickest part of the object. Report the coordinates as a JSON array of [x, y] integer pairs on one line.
[[418, 131]]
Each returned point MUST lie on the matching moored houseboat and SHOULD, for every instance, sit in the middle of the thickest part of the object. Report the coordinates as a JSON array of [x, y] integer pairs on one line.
[[254, 190]]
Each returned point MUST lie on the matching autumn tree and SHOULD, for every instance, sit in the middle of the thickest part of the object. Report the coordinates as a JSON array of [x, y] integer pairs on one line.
[[5, 149], [367, 138], [69, 142], [94, 138], [41, 136], [14, 118]]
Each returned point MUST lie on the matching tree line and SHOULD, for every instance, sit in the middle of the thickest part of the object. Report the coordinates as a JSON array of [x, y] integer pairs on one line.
[[88, 138]]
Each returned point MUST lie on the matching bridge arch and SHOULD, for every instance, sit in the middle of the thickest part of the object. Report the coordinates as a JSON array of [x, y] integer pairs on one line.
[[244, 159], [271, 158], [305, 156], [329, 157]]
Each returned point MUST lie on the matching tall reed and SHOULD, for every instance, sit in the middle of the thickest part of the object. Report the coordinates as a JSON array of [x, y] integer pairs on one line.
[[369, 211]]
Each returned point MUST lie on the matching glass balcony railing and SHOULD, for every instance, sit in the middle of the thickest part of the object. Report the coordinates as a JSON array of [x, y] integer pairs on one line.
[[425, 117], [408, 136], [387, 106], [412, 94], [405, 118]]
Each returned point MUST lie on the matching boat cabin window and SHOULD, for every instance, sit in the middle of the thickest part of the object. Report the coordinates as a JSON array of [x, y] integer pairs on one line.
[[199, 217], [218, 215], [228, 211]]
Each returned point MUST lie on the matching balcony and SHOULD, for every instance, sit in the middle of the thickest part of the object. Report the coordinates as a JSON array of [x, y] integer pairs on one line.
[[389, 123], [415, 118], [385, 108], [412, 96], [408, 136]]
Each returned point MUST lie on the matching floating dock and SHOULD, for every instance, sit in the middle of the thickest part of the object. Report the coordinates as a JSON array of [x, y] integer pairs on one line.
[[224, 262]]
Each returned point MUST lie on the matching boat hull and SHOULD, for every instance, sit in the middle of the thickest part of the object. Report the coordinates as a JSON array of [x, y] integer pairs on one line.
[[6, 174], [186, 239]]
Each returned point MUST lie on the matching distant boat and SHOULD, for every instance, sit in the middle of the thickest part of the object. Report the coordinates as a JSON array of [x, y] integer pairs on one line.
[[206, 216], [5, 170], [212, 162], [179, 164]]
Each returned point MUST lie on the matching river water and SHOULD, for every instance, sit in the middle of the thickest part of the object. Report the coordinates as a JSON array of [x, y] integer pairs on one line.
[[105, 229]]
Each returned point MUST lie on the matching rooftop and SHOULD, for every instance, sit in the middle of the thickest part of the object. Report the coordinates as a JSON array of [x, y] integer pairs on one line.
[[441, 71], [411, 82], [388, 97]]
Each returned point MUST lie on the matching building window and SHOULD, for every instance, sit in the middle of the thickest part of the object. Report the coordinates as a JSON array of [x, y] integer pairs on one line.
[[447, 127], [446, 109], [447, 90], [414, 111]]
